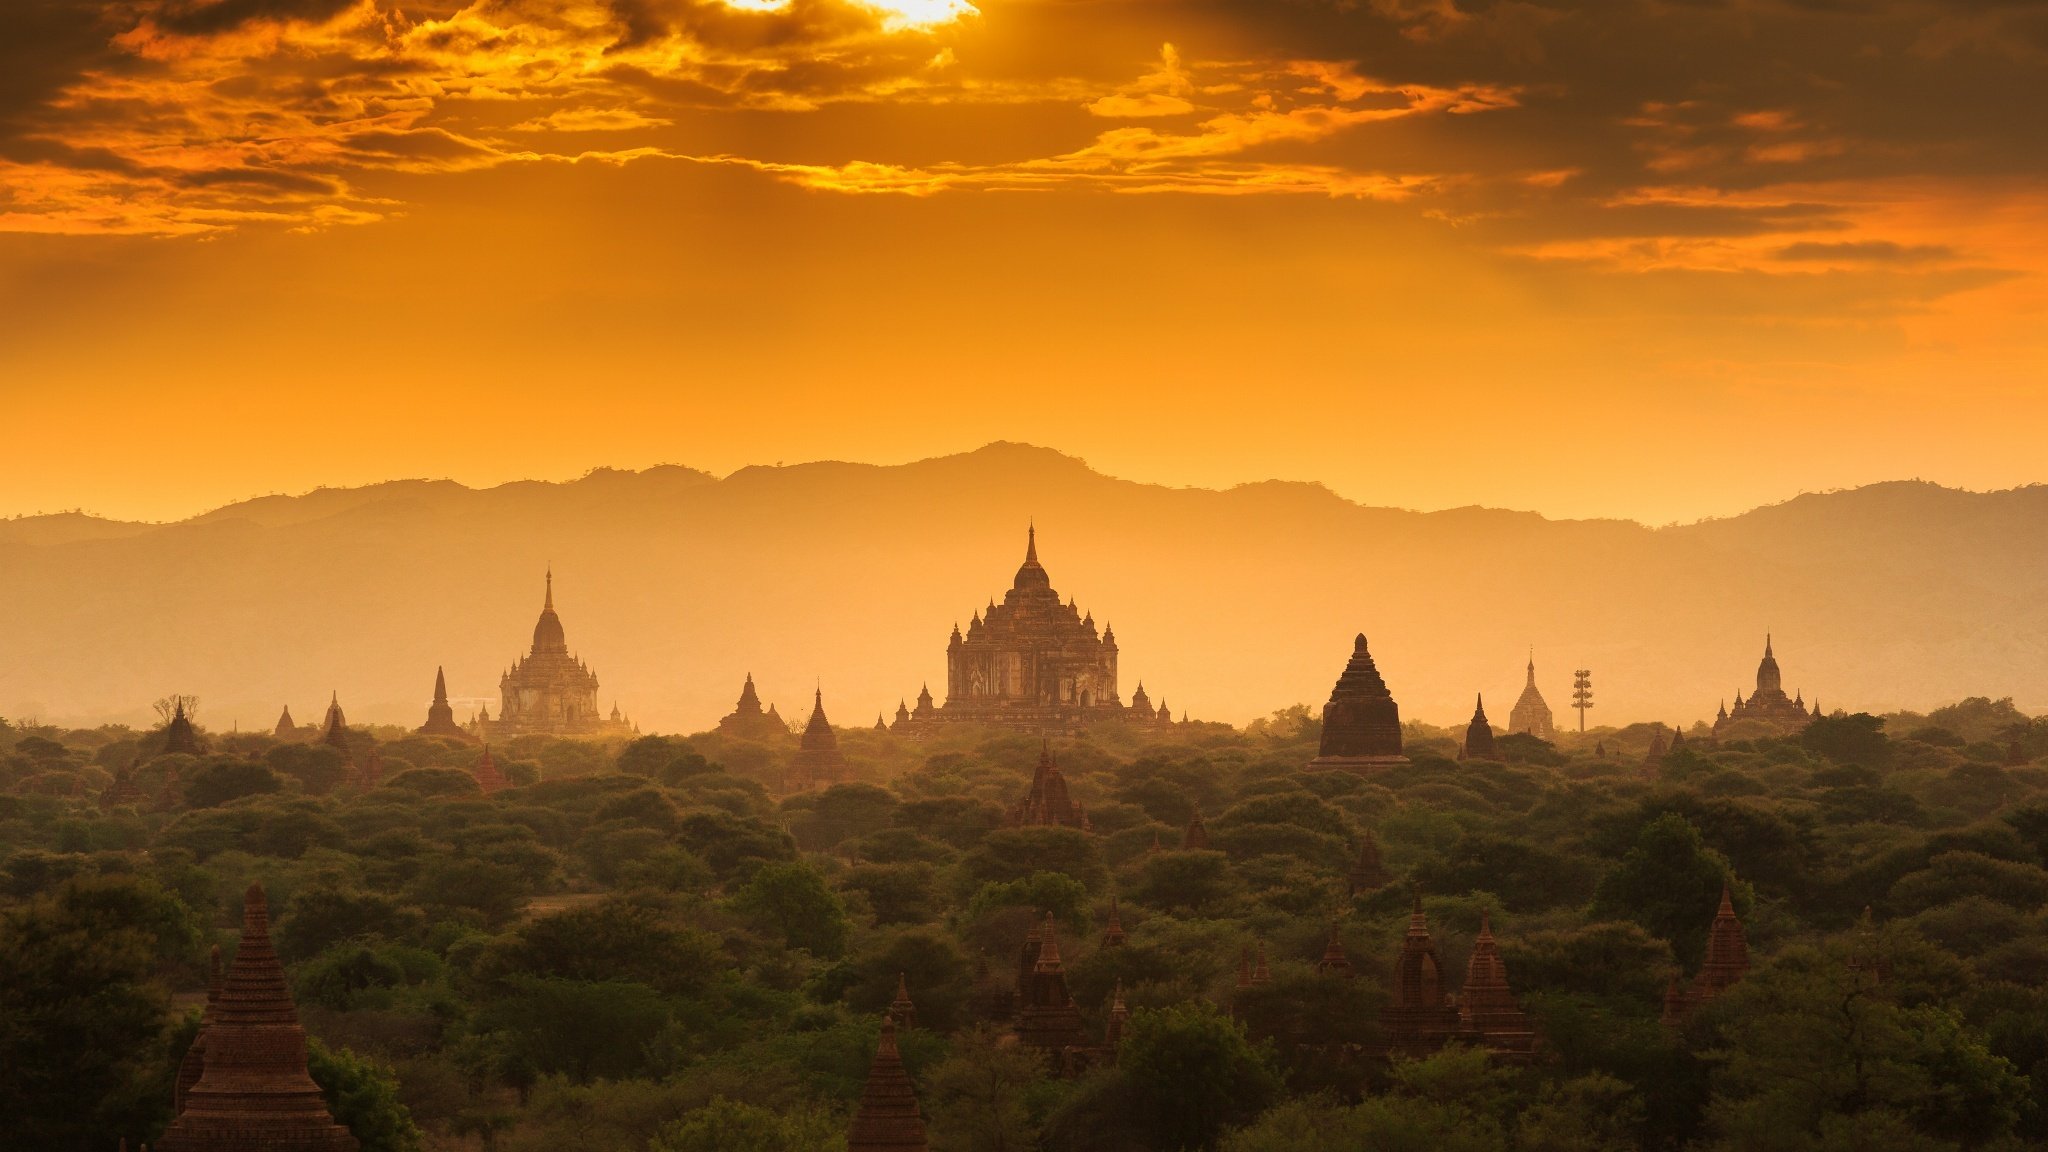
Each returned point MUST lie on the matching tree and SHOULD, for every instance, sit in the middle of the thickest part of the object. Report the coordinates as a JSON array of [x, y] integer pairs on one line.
[[1857, 739], [221, 782], [1670, 883], [328, 912], [1188, 1073], [83, 1014], [581, 1029], [792, 900], [1192, 882], [363, 1095], [619, 939], [729, 1126], [978, 1097], [494, 892]]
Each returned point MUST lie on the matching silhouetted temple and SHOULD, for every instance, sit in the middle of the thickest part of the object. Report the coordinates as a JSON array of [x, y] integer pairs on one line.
[[285, 730], [914, 721], [488, 779], [179, 735], [1047, 1017], [549, 691], [1531, 715], [1487, 1013], [1334, 961], [1769, 704], [1368, 874], [747, 720], [1047, 803], [1113, 936], [1727, 961], [1035, 663], [1479, 743], [1196, 838], [902, 1009], [889, 1119], [253, 1093], [1658, 747], [1361, 723], [441, 717], [334, 730], [818, 762]]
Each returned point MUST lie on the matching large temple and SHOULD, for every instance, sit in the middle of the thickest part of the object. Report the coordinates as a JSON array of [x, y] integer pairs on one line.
[[1531, 716], [1033, 662], [1422, 1015], [1727, 962], [247, 1088], [551, 692], [1361, 723], [1769, 704], [748, 721]]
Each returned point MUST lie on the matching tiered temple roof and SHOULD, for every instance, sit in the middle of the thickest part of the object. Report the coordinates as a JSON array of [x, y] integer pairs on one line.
[[1487, 1011], [440, 716], [889, 1119], [1531, 714], [1727, 961], [748, 720], [489, 780], [1419, 1019], [179, 735], [1368, 874], [818, 762], [1361, 723], [1047, 1017], [903, 1010], [253, 1093], [1196, 838], [286, 729], [1479, 743], [550, 691], [334, 730], [1769, 704], [1334, 961], [1113, 936], [1047, 803]]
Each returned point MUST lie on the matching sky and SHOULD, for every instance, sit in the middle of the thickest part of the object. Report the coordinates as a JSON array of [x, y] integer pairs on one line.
[[1641, 258]]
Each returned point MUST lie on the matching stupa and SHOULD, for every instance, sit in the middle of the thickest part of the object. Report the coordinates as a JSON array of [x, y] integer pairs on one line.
[[1046, 803], [1047, 1016], [1531, 715], [889, 1119], [818, 762], [441, 717], [1479, 742], [1361, 723], [748, 721]]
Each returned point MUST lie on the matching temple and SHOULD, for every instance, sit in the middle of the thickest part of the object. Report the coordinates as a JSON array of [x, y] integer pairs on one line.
[[334, 730], [1479, 742], [1046, 803], [1368, 874], [253, 1093], [1361, 723], [1422, 1017], [1047, 1017], [1727, 961], [1768, 704], [285, 730], [818, 762], [1531, 715], [889, 1119], [1035, 663], [441, 717], [550, 692], [1488, 1015], [179, 735], [916, 721], [748, 721], [489, 780]]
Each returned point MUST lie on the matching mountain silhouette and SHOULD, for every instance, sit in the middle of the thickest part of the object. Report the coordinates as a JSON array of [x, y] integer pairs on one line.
[[674, 584]]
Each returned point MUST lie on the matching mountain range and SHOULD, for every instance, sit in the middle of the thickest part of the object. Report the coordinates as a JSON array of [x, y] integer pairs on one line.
[[674, 584]]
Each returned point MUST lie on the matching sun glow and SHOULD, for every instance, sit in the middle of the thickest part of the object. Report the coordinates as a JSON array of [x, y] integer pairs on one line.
[[901, 15]]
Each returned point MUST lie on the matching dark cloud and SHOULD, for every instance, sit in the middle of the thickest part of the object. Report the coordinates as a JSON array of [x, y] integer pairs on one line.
[[1866, 252], [204, 19], [46, 45]]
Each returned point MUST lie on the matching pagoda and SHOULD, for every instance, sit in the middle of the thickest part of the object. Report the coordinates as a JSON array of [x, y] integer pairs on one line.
[[903, 1010], [1034, 663], [286, 729], [1334, 961], [818, 762], [1531, 716], [1196, 838], [1047, 1017], [1114, 936], [550, 692], [916, 721], [1368, 874], [889, 1119], [748, 721], [1479, 742], [1768, 704], [1419, 1019], [489, 780], [1361, 723], [441, 717], [179, 735], [253, 1093], [1487, 1013], [1727, 961], [334, 730], [194, 1061], [1046, 803]]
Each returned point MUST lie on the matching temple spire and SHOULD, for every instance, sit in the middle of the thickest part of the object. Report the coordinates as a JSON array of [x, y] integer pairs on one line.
[[549, 605]]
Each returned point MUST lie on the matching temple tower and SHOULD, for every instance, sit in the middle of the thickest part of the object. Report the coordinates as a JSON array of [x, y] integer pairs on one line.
[[1361, 723], [179, 735], [441, 717], [1479, 743], [489, 780], [286, 729], [253, 1093], [1419, 1018], [1769, 704], [1047, 1016], [1727, 961], [1531, 714], [1487, 1011], [550, 691], [1047, 803], [747, 720], [818, 762], [1368, 874], [334, 731], [889, 1119]]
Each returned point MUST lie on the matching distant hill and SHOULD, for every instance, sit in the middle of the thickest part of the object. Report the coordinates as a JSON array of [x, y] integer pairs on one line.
[[674, 584]]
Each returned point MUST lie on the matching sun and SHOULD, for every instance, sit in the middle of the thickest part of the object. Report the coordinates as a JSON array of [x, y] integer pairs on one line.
[[897, 15]]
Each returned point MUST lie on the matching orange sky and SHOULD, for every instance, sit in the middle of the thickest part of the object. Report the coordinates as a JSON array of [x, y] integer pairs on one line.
[[1660, 260]]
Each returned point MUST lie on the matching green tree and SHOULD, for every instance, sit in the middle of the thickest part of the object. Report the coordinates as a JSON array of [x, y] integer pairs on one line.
[[579, 1028], [792, 900], [1670, 883], [220, 782], [729, 1126], [1189, 1073], [979, 1098], [363, 1095], [1857, 739], [328, 912]]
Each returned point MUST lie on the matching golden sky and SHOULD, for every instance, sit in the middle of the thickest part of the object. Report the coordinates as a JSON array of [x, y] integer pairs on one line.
[[1642, 258]]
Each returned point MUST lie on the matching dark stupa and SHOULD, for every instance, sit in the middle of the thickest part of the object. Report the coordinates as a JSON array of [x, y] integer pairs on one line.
[[179, 735], [440, 717], [818, 762], [253, 1093], [748, 721], [1479, 742], [1361, 723], [889, 1119]]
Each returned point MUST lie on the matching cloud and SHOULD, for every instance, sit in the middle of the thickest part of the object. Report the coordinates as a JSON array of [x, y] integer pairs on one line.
[[1865, 252]]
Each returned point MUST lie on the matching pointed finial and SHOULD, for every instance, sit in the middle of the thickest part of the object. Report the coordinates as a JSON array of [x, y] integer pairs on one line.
[[1031, 541], [550, 605]]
